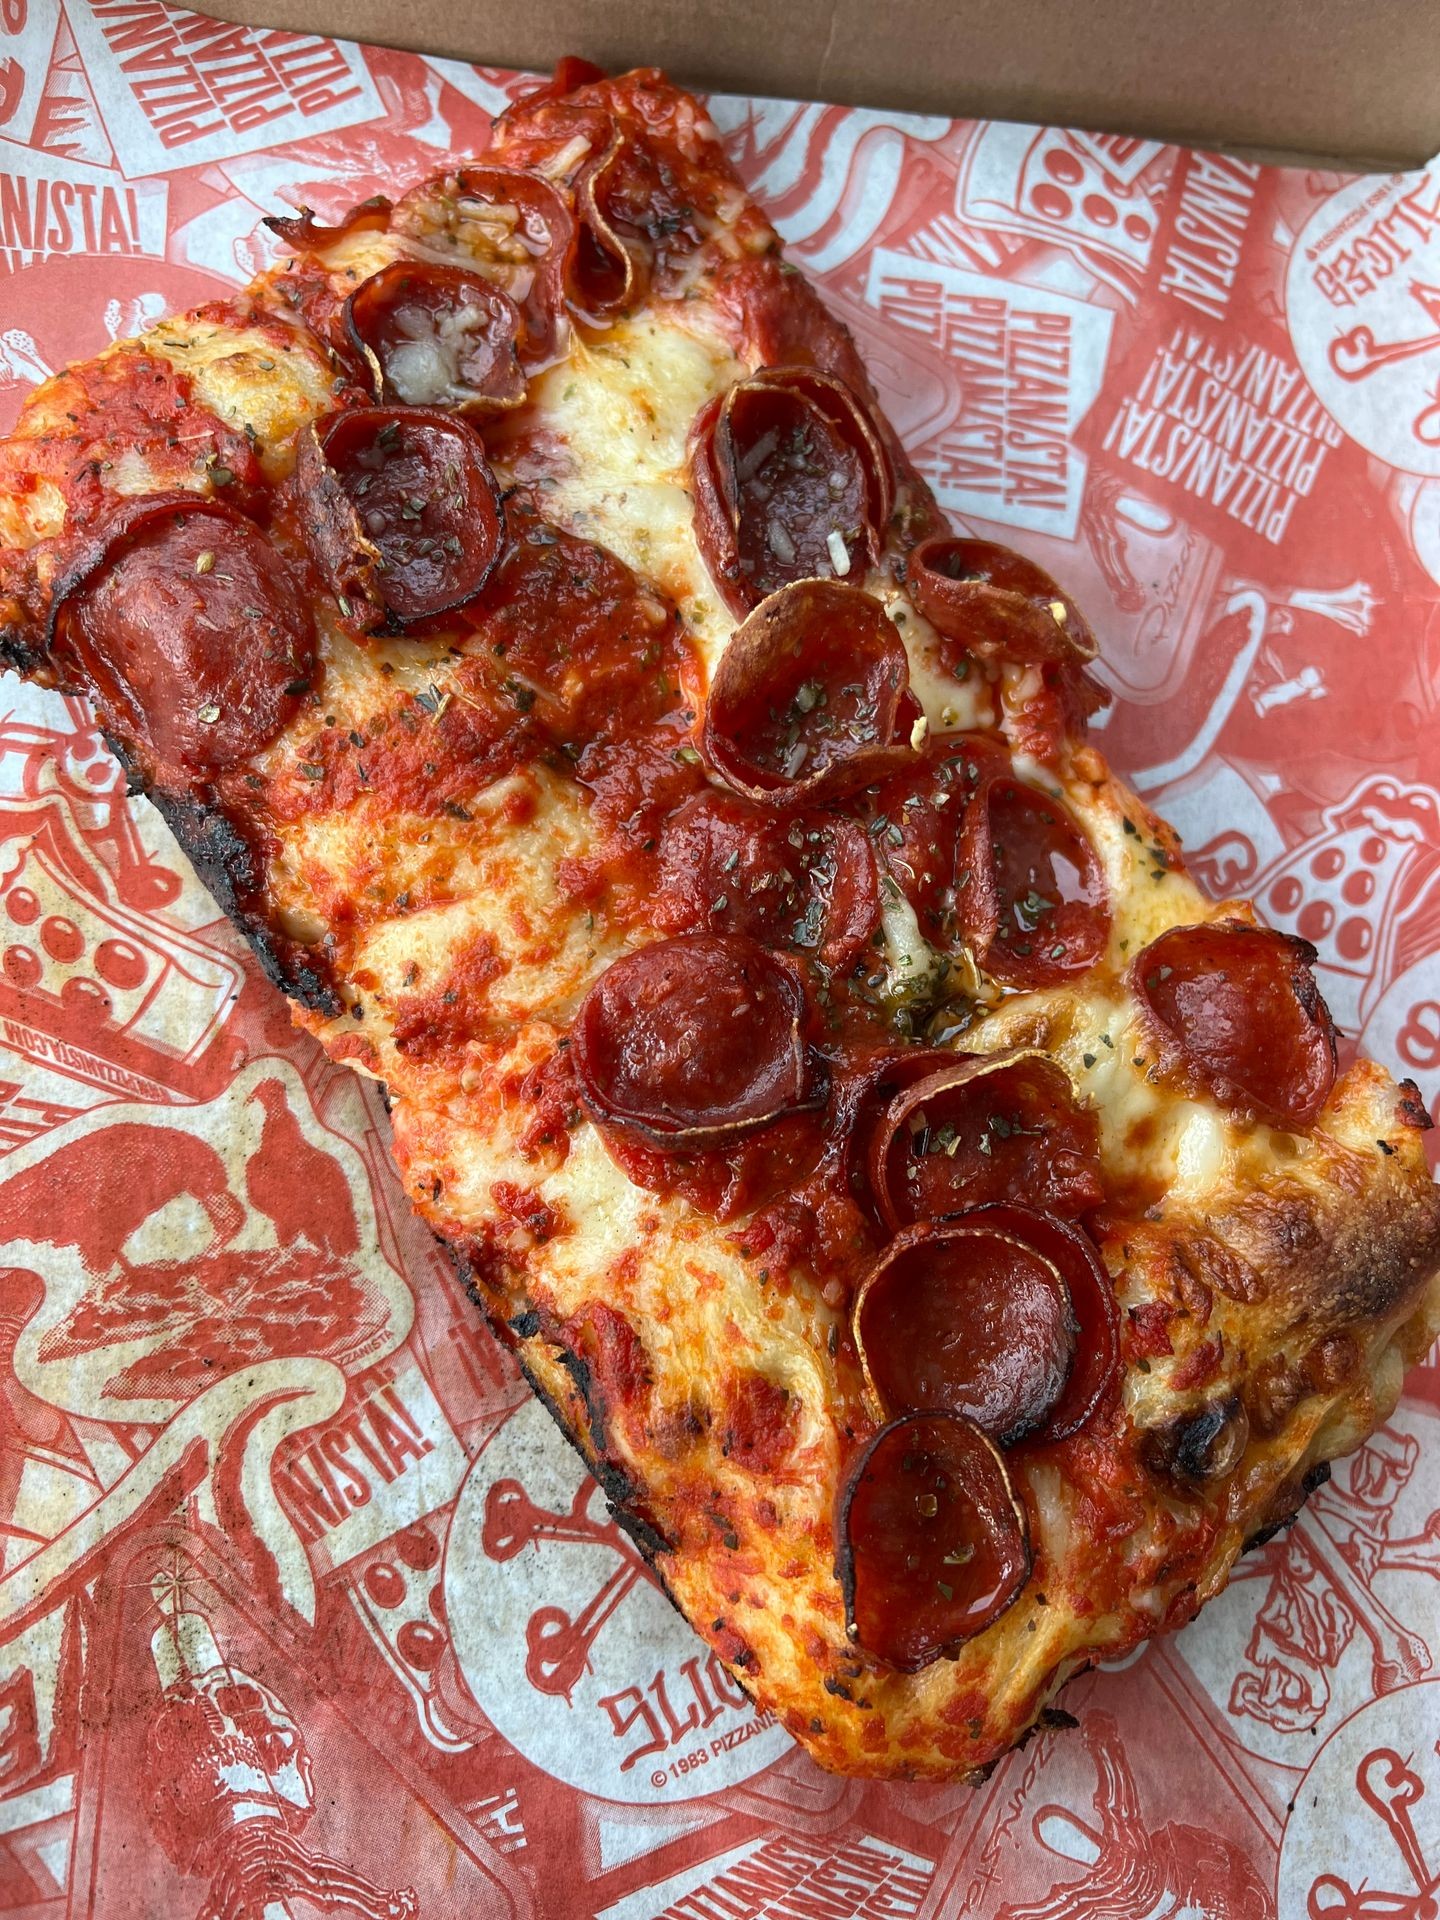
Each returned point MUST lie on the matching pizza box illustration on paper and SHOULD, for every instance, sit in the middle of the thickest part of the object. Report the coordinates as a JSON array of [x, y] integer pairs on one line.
[[947, 1234]]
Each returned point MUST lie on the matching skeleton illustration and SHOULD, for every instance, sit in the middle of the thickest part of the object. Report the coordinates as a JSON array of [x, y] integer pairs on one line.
[[232, 1784], [1175, 1873], [1321, 1594]]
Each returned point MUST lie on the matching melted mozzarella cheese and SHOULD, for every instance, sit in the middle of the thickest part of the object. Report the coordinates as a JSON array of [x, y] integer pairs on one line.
[[506, 900], [1148, 1132], [621, 408], [357, 255], [38, 514], [725, 1312], [273, 381], [913, 968], [951, 705]]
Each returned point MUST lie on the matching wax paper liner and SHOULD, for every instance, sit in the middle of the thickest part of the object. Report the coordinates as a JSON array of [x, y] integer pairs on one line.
[[344, 1629]]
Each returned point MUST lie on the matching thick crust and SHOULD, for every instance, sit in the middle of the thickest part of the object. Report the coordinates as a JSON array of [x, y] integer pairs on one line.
[[431, 859]]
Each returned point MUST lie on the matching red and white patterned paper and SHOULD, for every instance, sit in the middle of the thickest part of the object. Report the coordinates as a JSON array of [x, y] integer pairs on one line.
[[304, 1607]]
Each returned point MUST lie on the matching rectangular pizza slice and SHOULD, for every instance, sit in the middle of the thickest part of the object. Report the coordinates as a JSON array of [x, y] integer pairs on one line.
[[943, 1229]]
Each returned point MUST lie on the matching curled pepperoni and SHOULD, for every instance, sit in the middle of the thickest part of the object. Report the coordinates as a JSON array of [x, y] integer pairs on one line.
[[808, 700], [1072, 1253], [1002, 1127], [861, 1088], [571, 71], [639, 214], [932, 1542], [790, 482], [968, 1319], [1235, 1011], [511, 226], [650, 182], [435, 336], [995, 603], [807, 880], [1031, 891], [400, 511], [303, 233], [188, 629], [915, 818], [693, 1042], [609, 269], [584, 147]]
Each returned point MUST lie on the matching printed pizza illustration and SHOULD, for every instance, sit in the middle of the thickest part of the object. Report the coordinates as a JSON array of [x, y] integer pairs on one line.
[[946, 1232]]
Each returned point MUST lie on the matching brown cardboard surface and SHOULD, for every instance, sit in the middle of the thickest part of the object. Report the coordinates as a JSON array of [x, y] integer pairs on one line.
[[1314, 79]]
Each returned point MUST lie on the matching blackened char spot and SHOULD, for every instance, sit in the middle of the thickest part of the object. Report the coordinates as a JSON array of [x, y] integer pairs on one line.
[[17, 653], [1056, 1719], [579, 1371], [1048, 1720], [1411, 1106], [526, 1325], [1197, 1448]]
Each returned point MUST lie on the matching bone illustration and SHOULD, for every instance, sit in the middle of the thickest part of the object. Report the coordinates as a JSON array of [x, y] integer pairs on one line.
[[558, 1643]]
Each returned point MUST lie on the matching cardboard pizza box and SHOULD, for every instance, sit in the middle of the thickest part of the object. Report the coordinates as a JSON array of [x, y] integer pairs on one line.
[[1331, 81]]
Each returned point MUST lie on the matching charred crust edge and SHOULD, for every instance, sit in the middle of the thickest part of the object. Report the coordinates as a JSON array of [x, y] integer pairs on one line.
[[618, 1488], [228, 863], [1411, 1105], [19, 654], [1314, 1479]]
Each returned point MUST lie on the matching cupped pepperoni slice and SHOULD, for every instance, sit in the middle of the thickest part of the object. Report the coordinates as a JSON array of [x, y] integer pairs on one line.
[[807, 699], [862, 1085], [694, 1042], [970, 1320], [1096, 1365], [609, 270], [1031, 890], [639, 214], [401, 513], [522, 226], [436, 336], [189, 630], [806, 880], [995, 603], [790, 480], [511, 226], [1005, 1126], [582, 148], [932, 1542], [842, 908], [1235, 1011], [915, 818]]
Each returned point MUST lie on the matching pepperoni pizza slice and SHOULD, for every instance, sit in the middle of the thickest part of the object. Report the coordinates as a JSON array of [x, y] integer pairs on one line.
[[945, 1231]]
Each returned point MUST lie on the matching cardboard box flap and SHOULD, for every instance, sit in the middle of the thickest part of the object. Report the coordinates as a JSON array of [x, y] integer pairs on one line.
[[1321, 80]]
